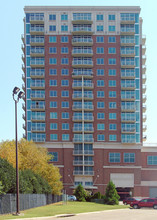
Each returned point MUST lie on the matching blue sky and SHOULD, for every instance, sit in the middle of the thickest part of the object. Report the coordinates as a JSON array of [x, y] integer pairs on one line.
[[11, 16]]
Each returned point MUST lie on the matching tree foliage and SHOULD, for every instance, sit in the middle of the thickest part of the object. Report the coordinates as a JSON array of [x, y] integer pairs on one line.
[[111, 195], [80, 193], [34, 158]]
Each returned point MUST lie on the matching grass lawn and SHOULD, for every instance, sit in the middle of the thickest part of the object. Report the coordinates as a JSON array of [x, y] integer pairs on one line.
[[59, 208]]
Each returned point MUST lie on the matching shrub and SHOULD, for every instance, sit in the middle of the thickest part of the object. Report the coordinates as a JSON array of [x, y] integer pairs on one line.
[[80, 193], [111, 195]]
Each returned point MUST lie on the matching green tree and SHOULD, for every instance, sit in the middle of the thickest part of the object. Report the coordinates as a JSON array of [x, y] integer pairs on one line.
[[1, 188], [111, 195], [80, 193]]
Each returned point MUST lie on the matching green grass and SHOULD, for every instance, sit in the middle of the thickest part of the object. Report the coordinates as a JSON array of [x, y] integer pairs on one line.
[[59, 208]]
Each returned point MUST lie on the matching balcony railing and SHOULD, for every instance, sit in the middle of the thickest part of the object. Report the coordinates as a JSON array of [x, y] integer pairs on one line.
[[38, 118], [84, 84], [131, 107], [36, 29], [128, 130], [38, 95], [128, 74], [37, 62], [81, 162], [34, 106], [78, 139], [128, 85], [82, 29], [82, 62], [82, 51], [79, 95], [80, 106], [128, 140], [37, 72], [37, 18], [81, 152], [38, 139], [37, 51], [37, 40], [82, 40], [86, 118], [38, 129], [128, 119], [37, 84], [90, 129], [128, 96]]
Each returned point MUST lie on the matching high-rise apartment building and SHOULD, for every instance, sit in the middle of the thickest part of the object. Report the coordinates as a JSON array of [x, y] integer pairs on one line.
[[84, 82]]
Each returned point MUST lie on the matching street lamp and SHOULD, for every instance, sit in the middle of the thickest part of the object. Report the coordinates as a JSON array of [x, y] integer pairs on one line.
[[19, 94]]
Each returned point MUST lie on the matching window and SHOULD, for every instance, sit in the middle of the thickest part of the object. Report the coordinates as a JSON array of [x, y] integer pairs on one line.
[[111, 17], [112, 83], [112, 127], [64, 82], [65, 137], [100, 61], [53, 104], [65, 115], [65, 93], [53, 137], [100, 72], [100, 126], [53, 72], [52, 27], [100, 83], [64, 39], [64, 27], [100, 115], [65, 126], [65, 104], [100, 39], [64, 60], [65, 72], [114, 157], [52, 50], [112, 50], [111, 39], [52, 39], [100, 137], [112, 61], [64, 17], [112, 105], [54, 157], [112, 72], [100, 94], [53, 82], [112, 137], [152, 160], [100, 28], [99, 17], [129, 157], [52, 17], [100, 50], [112, 94], [52, 61], [53, 115], [53, 93], [53, 126], [112, 115], [100, 105], [64, 50], [111, 28]]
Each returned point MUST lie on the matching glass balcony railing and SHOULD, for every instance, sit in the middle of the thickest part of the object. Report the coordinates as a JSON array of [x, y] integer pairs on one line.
[[128, 130], [128, 85], [37, 51], [36, 29], [82, 62], [35, 106], [37, 17], [126, 118], [87, 173], [128, 140], [38, 117], [37, 62], [37, 40], [86, 118], [37, 72], [84, 84], [80, 106], [82, 40], [37, 84], [127, 40], [127, 63], [130, 107], [82, 29], [128, 96], [127, 29], [82, 51], [76, 129], [38, 129], [79, 95], [128, 73], [38, 95], [40, 139]]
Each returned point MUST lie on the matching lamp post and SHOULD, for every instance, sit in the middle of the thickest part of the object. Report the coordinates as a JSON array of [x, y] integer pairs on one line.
[[19, 94]]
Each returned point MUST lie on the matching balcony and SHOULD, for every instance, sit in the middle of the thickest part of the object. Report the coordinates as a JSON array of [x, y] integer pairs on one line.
[[24, 117], [128, 108], [37, 63], [143, 49], [80, 118], [23, 87], [129, 19], [85, 152], [127, 42], [128, 86], [144, 118], [23, 39], [24, 126], [128, 141], [23, 48], [37, 96], [144, 108], [144, 138], [82, 42], [143, 89], [37, 73], [23, 68], [37, 41], [23, 77], [24, 106], [37, 19], [82, 63], [79, 96], [82, 74], [36, 107], [143, 69], [37, 52], [82, 31], [79, 107], [127, 65], [143, 59], [82, 21], [128, 74], [80, 140], [127, 53], [86, 173], [37, 30], [82, 52], [81, 162], [144, 78], [144, 98], [144, 128], [37, 118], [37, 85], [127, 31], [80, 129], [143, 40], [38, 129], [128, 130], [128, 97], [85, 85], [40, 139], [128, 119]]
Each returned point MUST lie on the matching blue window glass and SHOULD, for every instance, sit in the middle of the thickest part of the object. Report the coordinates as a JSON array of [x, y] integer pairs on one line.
[[27, 17], [112, 72], [100, 137], [52, 61], [152, 160], [65, 104], [112, 61], [27, 39], [53, 137], [99, 17], [65, 137], [64, 39], [52, 50], [65, 72], [100, 61], [112, 83], [64, 61], [100, 105], [64, 50], [113, 116], [112, 127], [65, 93], [54, 156], [100, 94], [100, 115], [52, 39], [100, 50], [53, 93], [64, 27], [129, 157], [53, 126], [100, 72], [65, 82], [53, 115], [65, 115], [64, 17], [53, 82], [112, 105], [111, 17], [112, 39], [65, 126], [100, 83], [27, 28], [99, 39], [100, 28], [112, 50], [111, 28], [53, 72], [136, 29], [100, 126], [112, 137], [53, 104], [52, 17], [52, 27], [114, 157]]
